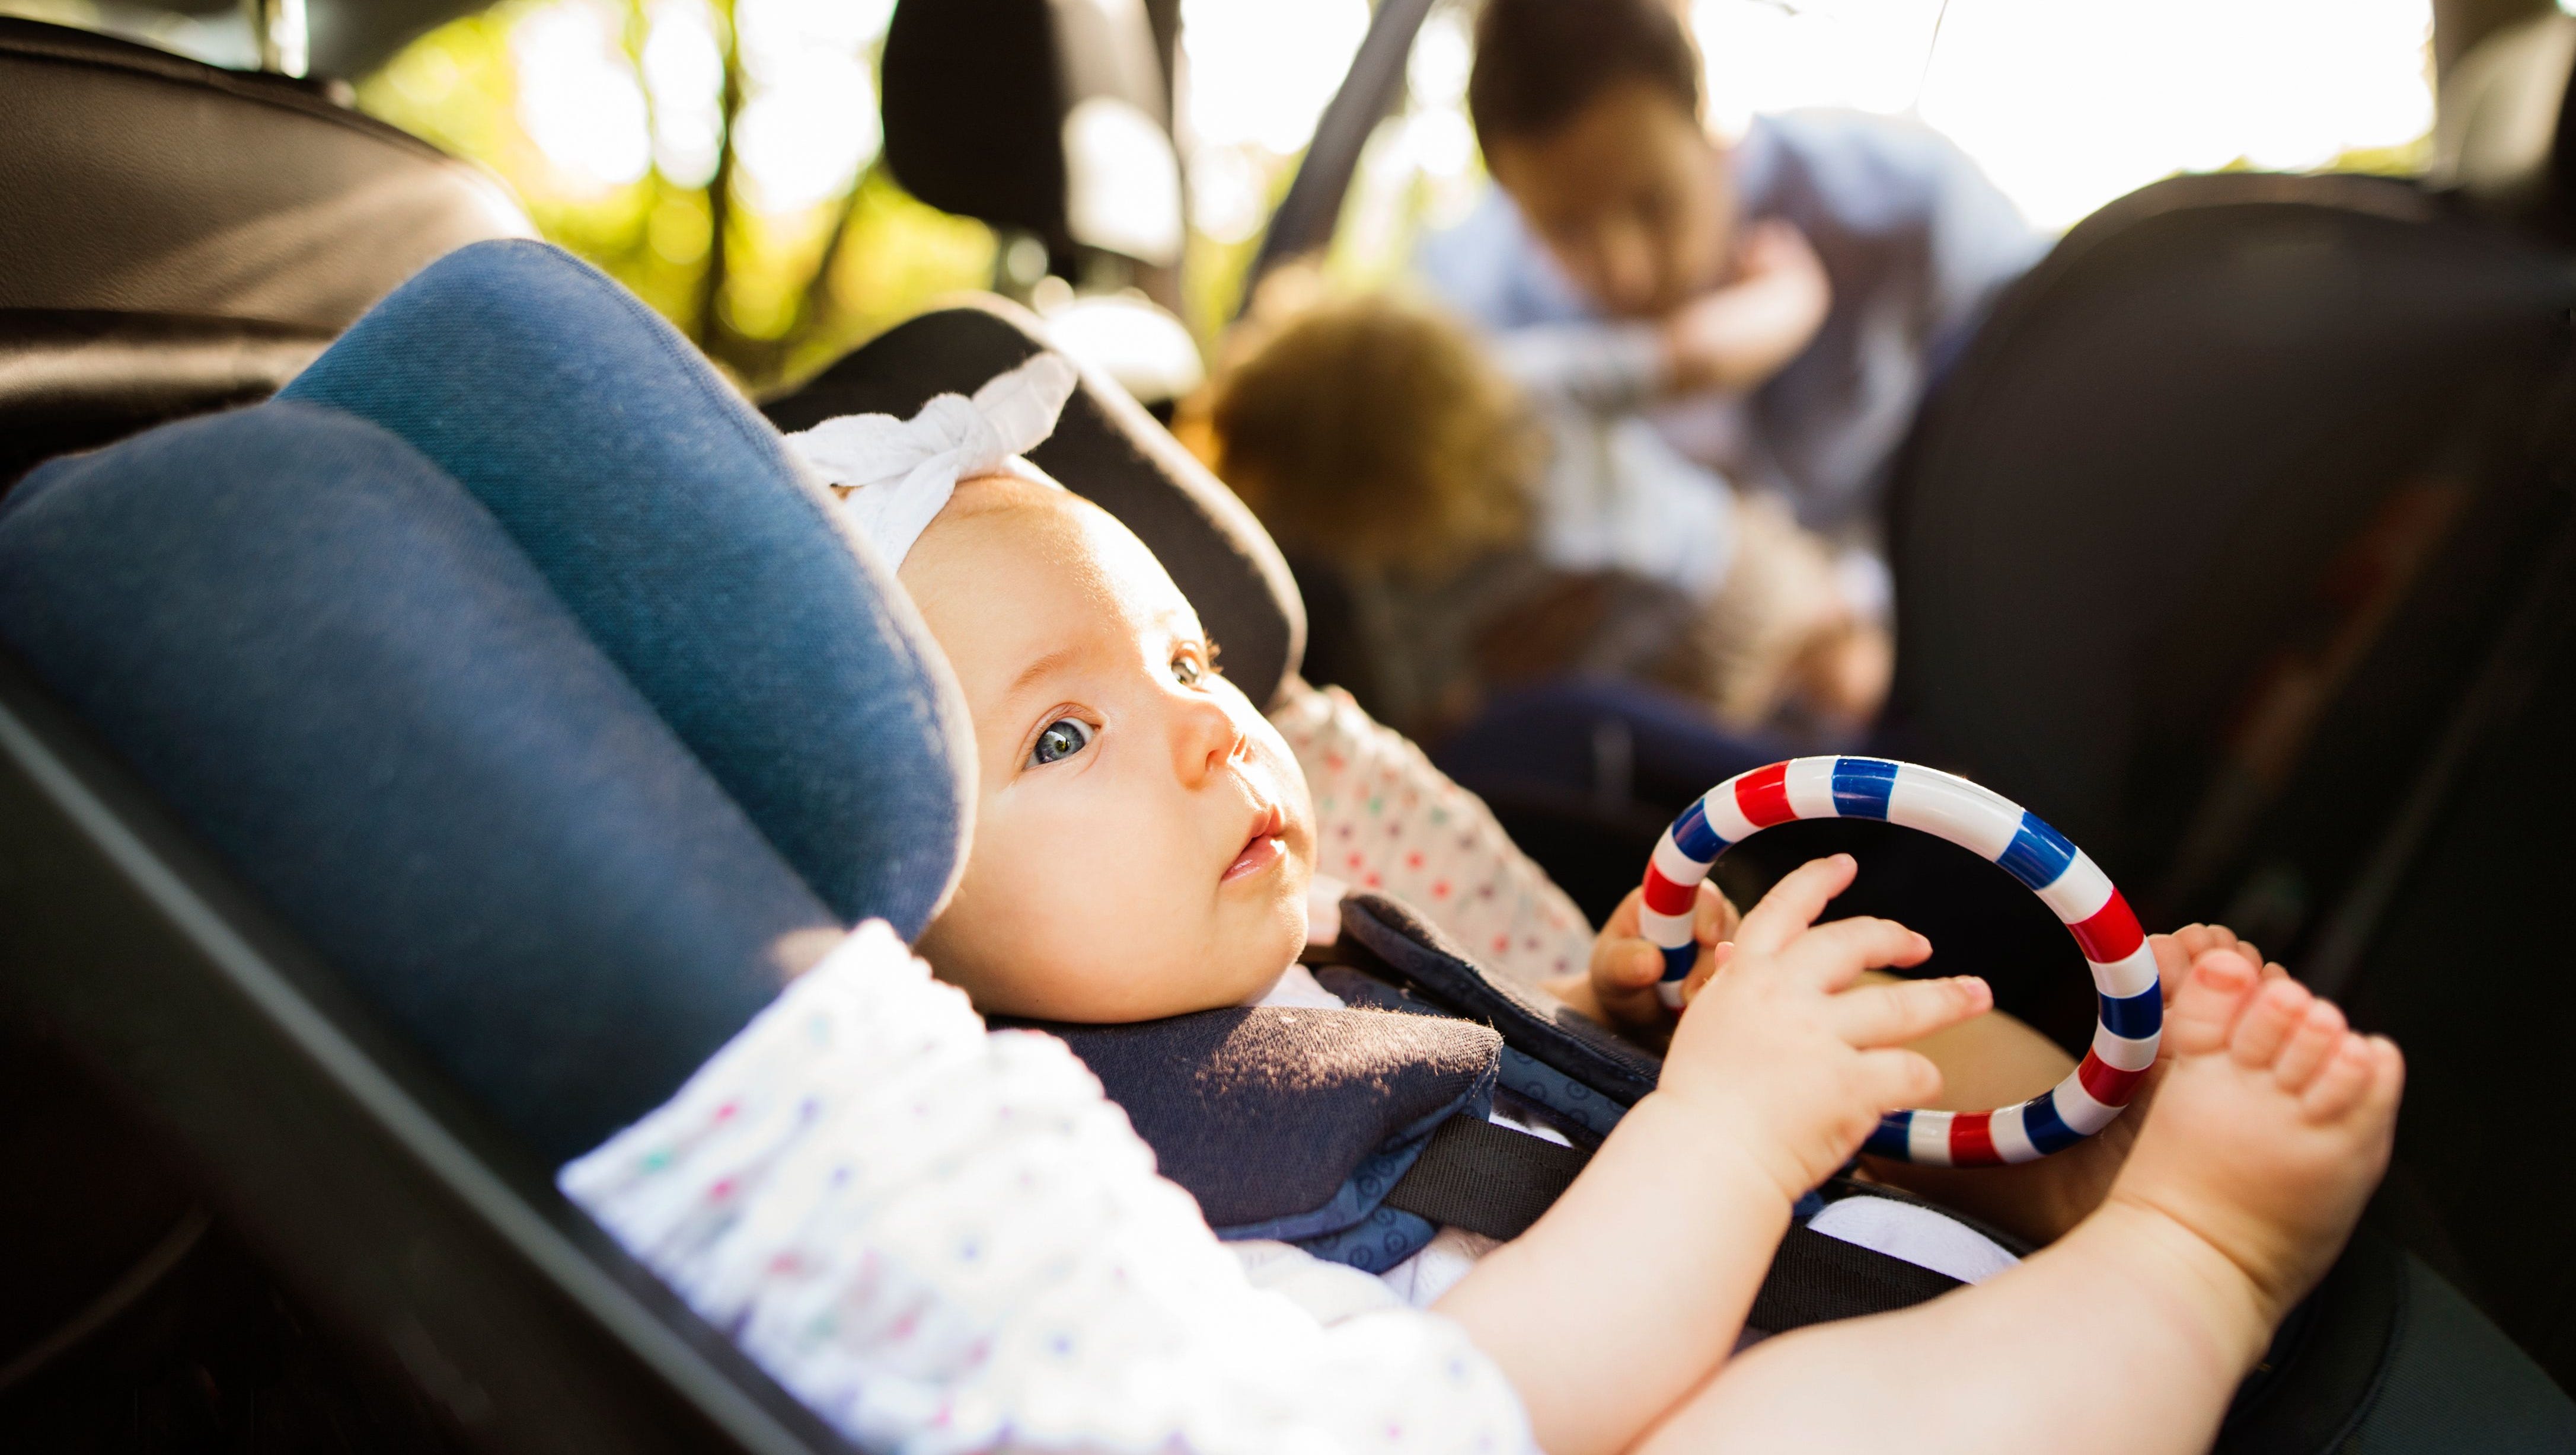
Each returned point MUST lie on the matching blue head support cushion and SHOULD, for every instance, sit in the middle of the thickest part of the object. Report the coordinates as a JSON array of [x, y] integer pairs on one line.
[[358, 685], [662, 510]]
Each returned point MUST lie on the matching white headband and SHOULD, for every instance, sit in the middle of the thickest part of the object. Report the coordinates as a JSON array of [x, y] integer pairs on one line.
[[900, 472]]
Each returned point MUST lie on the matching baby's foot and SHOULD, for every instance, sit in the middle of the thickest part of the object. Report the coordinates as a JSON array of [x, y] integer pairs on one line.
[[2080, 1177], [2042, 1200], [2271, 1126]]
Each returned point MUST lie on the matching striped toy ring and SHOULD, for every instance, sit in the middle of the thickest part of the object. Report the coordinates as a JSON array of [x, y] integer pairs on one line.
[[2124, 970]]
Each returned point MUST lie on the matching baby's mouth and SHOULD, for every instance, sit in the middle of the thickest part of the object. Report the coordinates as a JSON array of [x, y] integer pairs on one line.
[[1264, 848]]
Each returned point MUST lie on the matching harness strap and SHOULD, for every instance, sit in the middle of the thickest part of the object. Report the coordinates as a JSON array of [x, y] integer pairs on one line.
[[1815, 1279], [1492, 1180], [1486, 1179]]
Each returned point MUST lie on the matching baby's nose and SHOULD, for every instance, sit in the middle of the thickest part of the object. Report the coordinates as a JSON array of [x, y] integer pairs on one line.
[[1204, 740]]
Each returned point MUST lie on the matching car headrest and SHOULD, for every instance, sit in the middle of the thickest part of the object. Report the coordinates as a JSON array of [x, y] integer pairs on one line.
[[347, 680], [1047, 115], [663, 512], [2108, 513], [2501, 134], [1105, 448], [181, 238]]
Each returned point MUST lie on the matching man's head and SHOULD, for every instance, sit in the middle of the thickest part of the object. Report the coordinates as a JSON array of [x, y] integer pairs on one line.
[[1143, 839], [1589, 115]]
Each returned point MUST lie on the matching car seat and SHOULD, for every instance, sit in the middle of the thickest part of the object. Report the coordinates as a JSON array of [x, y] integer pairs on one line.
[[2239, 537], [182, 238], [179, 239], [379, 747]]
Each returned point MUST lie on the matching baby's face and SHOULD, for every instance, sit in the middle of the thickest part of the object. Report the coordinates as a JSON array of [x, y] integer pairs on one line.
[[1143, 838]]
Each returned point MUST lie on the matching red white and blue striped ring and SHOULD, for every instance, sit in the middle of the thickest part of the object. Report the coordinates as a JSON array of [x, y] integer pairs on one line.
[[2124, 971]]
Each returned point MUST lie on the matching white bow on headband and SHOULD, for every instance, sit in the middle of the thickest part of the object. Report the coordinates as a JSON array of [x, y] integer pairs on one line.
[[900, 472]]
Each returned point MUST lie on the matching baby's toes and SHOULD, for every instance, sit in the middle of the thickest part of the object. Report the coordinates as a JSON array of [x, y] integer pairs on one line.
[[2346, 1080], [2269, 1018], [2387, 1078], [2206, 1005], [2313, 1040]]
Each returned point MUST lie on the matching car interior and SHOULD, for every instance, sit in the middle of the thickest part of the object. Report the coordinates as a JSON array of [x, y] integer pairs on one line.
[[2283, 638]]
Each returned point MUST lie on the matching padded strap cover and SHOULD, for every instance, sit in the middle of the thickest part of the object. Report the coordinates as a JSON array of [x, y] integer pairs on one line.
[[1416, 955], [1289, 1123]]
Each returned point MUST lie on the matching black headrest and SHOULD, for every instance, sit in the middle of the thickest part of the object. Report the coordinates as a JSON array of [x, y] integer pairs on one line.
[[180, 238], [1107, 449], [2115, 509], [981, 101]]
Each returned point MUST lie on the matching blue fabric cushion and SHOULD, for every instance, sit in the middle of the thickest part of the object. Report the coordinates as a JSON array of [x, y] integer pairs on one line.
[[664, 513], [349, 681]]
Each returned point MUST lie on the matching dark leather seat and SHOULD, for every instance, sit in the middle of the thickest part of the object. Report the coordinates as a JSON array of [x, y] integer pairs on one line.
[[2241, 540], [180, 238]]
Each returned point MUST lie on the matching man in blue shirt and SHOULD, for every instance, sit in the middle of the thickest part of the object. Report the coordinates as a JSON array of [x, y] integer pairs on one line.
[[1774, 307]]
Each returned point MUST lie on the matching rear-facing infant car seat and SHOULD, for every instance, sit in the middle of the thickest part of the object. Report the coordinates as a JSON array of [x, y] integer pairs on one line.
[[434, 874], [177, 239]]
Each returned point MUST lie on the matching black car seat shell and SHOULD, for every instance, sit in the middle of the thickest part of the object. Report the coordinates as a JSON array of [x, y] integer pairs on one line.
[[2207, 360], [420, 1227], [181, 238], [177, 239]]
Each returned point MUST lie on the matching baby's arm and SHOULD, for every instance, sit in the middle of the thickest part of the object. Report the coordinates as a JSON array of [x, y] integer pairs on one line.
[[1635, 1285]]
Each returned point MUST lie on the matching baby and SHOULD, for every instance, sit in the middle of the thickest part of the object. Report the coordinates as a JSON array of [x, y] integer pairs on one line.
[[1143, 846]]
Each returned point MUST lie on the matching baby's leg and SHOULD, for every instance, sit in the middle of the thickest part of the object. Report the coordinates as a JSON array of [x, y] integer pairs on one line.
[[2131, 1333]]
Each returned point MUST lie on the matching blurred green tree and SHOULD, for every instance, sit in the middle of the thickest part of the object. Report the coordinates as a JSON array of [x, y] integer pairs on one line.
[[719, 157]]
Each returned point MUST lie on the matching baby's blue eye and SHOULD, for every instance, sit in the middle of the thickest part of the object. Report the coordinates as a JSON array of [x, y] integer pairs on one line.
[[1063, 738]]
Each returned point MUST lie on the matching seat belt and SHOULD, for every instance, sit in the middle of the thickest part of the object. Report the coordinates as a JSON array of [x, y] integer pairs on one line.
[[1492, 1180]]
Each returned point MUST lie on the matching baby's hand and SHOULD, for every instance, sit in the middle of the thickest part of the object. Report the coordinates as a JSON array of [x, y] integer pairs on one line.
[[1619, 990], [1781, 1057]]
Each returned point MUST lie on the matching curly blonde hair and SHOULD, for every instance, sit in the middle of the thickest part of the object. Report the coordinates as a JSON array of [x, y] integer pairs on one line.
[[1371, 429]]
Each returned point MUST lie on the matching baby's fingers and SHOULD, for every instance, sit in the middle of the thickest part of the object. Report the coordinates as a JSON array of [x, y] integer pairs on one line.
[[1719, 956], [1891, 1079], [1794, 902], [1717, 919], [1891, 1015], [1832, 956], [1624, 976]]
